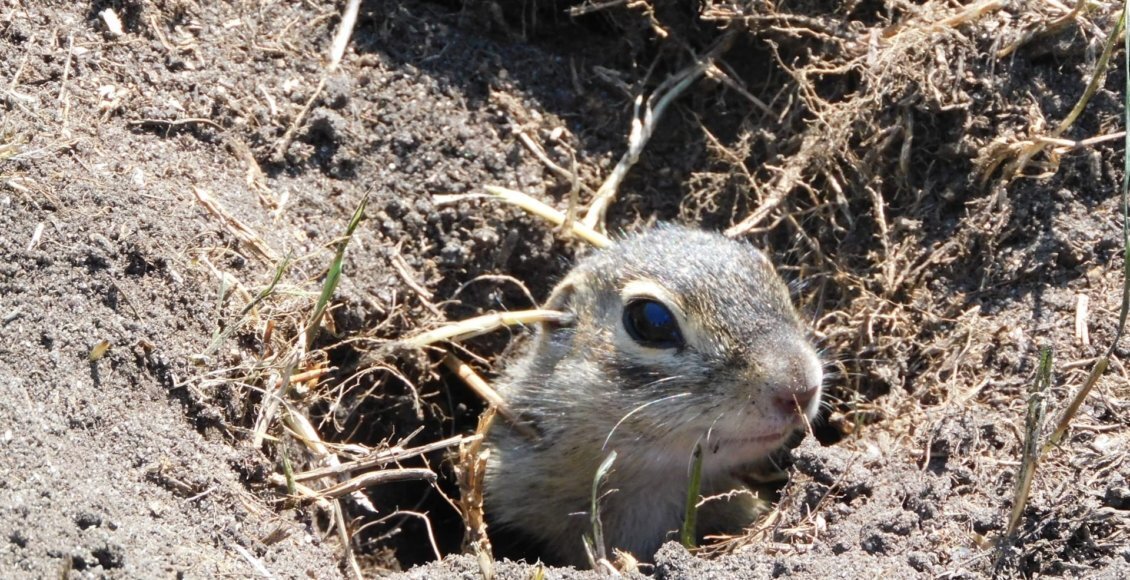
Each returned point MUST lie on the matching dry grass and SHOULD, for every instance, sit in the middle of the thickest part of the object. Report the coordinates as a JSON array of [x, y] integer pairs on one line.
[[286, 316], [843, 162], [851, 161]]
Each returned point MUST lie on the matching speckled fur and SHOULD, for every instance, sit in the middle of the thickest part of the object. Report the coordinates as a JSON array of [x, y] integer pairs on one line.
[[589, 389]]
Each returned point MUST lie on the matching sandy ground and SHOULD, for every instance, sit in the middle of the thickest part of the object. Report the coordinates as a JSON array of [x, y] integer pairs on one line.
[[153, 181]]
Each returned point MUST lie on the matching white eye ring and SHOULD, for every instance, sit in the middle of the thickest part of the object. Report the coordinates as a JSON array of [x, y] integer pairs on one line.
[[648, 290], [638, 290]]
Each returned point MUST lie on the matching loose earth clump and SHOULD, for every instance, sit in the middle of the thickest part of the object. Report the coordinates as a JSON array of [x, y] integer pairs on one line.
[[177, 179]]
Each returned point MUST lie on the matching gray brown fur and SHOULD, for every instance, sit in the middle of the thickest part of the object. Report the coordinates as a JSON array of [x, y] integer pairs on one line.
[[746, 349]]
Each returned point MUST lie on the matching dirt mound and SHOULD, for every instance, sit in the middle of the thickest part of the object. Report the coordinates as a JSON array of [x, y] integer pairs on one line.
[[176, 179]]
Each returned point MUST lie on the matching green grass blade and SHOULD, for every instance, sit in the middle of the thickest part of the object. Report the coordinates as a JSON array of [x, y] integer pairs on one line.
[[690, 519], [1125, 192], [595, 544], [1031, 455], [218, 338], [270, 289], [1096, 79], [1104, 360], [288, 471], [334, 274]]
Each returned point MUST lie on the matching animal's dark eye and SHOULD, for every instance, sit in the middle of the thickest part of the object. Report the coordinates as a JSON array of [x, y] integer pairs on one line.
[[650, 323]]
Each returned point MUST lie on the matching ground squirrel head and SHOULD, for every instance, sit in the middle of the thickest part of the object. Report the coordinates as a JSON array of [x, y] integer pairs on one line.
[[691, 333], [680, 337]]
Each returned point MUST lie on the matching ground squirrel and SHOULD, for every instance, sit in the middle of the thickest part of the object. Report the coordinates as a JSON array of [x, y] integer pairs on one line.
[[680, 337]]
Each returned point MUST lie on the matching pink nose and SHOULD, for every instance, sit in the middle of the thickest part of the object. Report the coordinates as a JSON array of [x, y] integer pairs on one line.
[[792, 402]]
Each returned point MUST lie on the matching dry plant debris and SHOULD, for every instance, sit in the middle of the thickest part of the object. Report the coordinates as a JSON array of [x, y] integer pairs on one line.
[[921, 170], [847, 163]]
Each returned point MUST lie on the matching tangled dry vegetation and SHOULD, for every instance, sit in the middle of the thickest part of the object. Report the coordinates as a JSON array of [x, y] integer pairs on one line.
[[882, 149]]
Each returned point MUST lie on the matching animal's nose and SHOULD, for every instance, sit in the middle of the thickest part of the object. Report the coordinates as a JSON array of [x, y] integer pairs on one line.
[[795, 402]]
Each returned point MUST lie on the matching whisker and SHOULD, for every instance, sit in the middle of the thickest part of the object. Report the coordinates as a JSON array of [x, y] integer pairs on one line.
[[636, 410], [710, 431], [661, 381]]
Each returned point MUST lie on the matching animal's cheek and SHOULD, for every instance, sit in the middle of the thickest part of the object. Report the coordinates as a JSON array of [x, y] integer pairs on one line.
[[658, 372]]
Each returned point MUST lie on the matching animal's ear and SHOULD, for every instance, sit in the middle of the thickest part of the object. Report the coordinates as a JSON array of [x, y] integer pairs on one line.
[[561, 300]]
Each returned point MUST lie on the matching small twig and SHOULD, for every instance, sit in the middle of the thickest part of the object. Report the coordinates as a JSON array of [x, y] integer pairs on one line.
[[479, 325], [125, 298], [594, 7], [305, 431], [12, 84], [574, 196], [385, 457], [547, 213], [337, 50], [446, 199], [788, 176], [569, 175], [539, 152], [431, 534], [425, 297], [35, 235], [488, 394], [372, 478], [240, 230], [67, 67], [299, 491], [272, 395], [155, 28], [344, 31], [1066, 145], [346, 543], [1077, 402], [288, 136], [643, 127], [721, 74], [1082, 310], [255, 563], [12, 315], [311, 374], [496, 278], [1027, 153], [971, 13], [471, 470], [1049, 29], [178, 122]]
